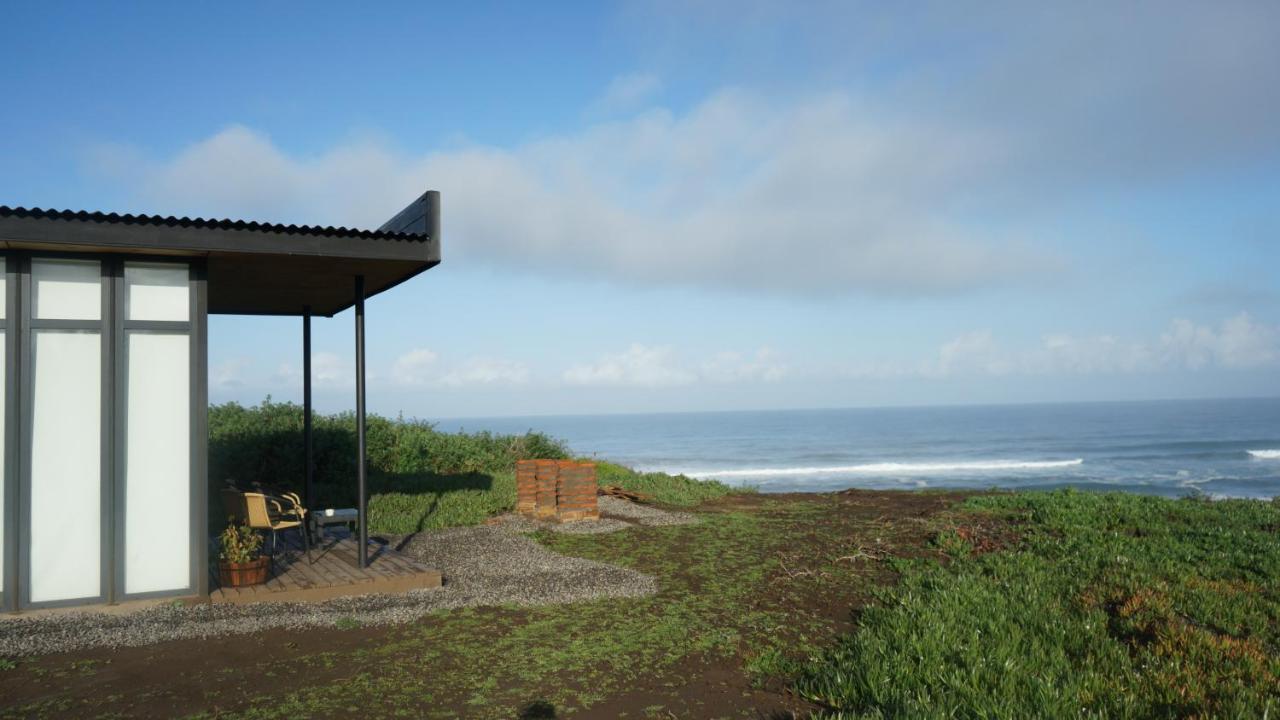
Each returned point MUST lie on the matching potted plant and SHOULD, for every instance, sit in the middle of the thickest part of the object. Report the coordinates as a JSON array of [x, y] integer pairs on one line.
[[241, 561]]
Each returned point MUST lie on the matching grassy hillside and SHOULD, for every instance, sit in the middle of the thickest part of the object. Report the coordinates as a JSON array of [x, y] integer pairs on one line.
[[859, 604], [1104, 606], [419, 478]]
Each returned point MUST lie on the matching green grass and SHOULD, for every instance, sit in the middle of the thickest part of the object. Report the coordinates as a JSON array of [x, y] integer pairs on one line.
[[419, 478], [408, 504], [1113, 606], [680, 490], [498, 662], [1021, 605], [428, 502]]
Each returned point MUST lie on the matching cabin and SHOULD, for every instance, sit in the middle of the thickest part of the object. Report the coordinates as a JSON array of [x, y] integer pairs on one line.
[[103, 434]]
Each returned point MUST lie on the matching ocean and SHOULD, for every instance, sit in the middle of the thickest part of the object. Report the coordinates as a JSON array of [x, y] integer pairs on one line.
[[1217, 448]]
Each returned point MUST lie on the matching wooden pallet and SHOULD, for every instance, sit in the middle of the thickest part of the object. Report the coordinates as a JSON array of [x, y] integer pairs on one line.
[[332, 573]]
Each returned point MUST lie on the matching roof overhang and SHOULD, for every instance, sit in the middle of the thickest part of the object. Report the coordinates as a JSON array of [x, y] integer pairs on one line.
[[252, 268]]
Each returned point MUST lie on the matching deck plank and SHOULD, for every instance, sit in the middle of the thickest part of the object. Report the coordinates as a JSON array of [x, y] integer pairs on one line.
[[334, 573]]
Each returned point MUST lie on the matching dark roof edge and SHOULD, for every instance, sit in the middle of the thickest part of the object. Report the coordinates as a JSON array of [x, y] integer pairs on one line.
[[211, 224]]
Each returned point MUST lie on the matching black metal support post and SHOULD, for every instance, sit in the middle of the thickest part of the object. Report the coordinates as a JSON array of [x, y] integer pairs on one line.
[[308, 448], [362, 552]]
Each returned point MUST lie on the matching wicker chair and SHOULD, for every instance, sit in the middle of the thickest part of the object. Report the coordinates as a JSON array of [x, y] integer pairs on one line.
[[264, 512]]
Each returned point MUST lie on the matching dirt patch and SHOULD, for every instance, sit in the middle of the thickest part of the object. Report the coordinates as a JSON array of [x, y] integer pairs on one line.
[[169, 678], [822, 562], [988, 536]]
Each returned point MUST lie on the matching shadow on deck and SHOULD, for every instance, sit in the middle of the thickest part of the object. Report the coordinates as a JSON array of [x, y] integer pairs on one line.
[[332, 573]]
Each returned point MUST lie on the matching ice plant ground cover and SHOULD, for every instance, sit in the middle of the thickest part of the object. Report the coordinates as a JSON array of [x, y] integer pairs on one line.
[[857, 604], [839, 605], [1108, 606]]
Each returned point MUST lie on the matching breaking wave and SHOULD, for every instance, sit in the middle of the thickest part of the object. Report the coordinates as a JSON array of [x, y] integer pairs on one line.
[[890, 468], [1265, 454]]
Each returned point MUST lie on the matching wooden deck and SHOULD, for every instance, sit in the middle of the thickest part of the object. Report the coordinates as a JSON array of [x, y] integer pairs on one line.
[[333, 573]]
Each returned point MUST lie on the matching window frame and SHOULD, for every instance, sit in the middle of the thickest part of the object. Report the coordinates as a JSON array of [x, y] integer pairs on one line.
[[19, 326]]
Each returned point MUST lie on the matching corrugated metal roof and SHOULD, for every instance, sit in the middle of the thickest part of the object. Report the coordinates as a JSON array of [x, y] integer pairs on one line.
[[212, 224]]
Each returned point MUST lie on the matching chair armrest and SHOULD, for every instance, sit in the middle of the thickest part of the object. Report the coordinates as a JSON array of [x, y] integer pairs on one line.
[[289, 504], [297, 501]]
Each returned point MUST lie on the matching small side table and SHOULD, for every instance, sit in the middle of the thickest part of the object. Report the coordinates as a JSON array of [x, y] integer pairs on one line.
[[333, 516]]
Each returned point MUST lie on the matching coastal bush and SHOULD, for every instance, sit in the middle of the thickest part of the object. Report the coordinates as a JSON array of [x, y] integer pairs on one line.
[[1115, 606], [264, 443], [419, 478]]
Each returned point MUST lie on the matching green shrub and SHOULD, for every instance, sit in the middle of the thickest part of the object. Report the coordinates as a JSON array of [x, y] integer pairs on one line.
[[264, 444], [419, 478]]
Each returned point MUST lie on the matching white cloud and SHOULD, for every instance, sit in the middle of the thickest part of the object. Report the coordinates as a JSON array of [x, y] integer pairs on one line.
[[421, 367], [1066, 354], [486, 371], [330, 369], [327, 370], [660, 366], [971, 352], [1237, 342], [817, 196], [627, 92], [230, 374], [415, 367], [287, 373], [1090, 95], [638, 365], [727, 367], [913, 176]]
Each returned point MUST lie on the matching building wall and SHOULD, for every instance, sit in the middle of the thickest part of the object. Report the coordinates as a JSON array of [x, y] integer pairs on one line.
[[104, 443]]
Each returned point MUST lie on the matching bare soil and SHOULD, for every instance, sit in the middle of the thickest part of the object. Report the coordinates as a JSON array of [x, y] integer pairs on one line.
[[230, 675]]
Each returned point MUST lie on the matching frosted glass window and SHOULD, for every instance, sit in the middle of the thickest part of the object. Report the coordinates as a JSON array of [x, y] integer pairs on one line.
[[156, 292], [66, 466], [67, 289], [158, 464]]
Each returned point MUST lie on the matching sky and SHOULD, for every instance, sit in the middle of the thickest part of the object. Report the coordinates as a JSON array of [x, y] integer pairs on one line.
[[684, 206]]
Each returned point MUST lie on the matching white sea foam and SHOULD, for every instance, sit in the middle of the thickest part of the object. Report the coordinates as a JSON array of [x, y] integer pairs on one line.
[[1265, 454], [889, 468]]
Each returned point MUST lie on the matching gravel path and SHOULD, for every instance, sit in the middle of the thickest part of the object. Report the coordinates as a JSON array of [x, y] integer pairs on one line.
[[615, 514], [491, 564]]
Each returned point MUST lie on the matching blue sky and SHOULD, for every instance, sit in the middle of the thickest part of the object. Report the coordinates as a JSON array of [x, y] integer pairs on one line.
[[660, 206]]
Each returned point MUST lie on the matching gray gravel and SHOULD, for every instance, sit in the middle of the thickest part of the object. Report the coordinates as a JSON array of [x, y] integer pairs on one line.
[[611, 507], [615, 514], [487, 565]]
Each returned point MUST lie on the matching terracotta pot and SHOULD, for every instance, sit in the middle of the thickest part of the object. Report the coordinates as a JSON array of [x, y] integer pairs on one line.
[[253, 572]]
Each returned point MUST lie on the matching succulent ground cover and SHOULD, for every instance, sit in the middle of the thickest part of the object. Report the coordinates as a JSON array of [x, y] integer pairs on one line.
[[855, 604]]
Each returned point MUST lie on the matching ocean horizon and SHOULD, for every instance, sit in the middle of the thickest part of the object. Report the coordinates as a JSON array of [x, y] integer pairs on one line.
[[1217, 448]]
